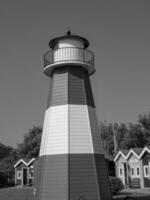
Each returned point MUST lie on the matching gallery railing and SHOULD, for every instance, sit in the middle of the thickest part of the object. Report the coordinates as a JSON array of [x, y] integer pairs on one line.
[[71, 54]]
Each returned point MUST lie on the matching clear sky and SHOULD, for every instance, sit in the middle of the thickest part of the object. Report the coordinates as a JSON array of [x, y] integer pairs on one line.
[[119, 35]]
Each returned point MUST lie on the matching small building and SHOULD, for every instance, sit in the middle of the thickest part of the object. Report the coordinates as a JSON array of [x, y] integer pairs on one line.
[[133, 167], [24, 172]]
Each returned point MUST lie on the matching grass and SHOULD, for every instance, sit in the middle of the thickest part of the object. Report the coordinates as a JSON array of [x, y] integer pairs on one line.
[[16, 193], [26, 193]]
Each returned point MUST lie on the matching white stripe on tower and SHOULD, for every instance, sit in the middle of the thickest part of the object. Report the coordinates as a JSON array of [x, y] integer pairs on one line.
[[79, 130], [55, 131], [67, 129]]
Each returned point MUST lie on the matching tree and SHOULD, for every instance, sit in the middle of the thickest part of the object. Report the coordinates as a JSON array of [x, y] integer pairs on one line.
[[144, 120], [4, 151], [106, 131], [31, 143], [7, 168], [136, 137], [122, 136]]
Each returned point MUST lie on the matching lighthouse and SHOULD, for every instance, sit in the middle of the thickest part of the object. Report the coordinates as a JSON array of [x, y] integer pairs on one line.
[[71, 163]]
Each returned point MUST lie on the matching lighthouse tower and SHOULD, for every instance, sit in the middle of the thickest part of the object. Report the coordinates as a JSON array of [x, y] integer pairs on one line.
[[71, 164]]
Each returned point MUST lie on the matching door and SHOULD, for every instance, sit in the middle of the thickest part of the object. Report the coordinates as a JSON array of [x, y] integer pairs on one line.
[[125, 174], [25, 176]]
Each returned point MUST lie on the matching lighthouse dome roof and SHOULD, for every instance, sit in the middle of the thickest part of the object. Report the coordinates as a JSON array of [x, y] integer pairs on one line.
[[56, 40]]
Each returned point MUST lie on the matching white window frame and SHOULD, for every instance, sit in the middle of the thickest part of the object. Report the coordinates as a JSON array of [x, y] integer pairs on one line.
[[137, 175], [146, 167], [31, 177], [133, 168], [120, 168], [19, 174]]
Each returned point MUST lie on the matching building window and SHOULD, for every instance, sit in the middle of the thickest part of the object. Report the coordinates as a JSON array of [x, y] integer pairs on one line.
[[137, 171], [132, 171], [120, 171], [18, 174], [31, 174], [146, 171]]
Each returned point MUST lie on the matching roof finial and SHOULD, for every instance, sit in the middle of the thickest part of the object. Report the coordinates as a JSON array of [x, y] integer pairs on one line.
[[68, 32]]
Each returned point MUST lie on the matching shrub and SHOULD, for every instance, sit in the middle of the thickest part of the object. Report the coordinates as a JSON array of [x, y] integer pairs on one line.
[[3, 179], [116, 184]]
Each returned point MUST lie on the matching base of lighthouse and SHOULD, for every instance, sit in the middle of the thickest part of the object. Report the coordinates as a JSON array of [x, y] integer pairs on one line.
[[72, 177]]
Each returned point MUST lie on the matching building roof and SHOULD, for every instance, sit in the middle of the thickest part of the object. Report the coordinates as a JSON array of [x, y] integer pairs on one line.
[[54, 41], [138, 152], [125, 151], [25, 161]]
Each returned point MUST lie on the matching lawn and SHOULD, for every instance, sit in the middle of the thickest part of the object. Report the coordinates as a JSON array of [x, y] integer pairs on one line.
[[15, 193], [26, 193]]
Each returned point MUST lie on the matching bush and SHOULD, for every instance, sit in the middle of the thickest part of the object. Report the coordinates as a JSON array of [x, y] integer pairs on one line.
[[3, 179], [116, 184]]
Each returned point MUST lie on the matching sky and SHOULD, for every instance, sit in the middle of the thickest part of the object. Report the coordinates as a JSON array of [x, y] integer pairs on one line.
[[119, 36]]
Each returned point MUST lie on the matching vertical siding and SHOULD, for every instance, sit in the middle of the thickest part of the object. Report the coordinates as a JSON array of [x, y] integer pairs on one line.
[[44, 134], [88, 91], [67, 167], [79, 90], [141, 174], [37, 178], [55, 133], [55, 178], [145, 161], [51, 181], [59, 88], [79, 130], [83, 178], [119, 163], [70, 85], [49, 94], [102, 176], [76, 87], [96, 136]]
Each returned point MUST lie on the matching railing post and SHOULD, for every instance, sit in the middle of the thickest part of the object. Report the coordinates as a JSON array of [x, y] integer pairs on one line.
[[83, 55]]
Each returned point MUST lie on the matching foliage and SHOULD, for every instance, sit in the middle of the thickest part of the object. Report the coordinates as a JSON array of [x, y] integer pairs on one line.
[[113, 133], [116, 184], [28, 149], [31, 143], [121, 136], [144, 120], [3, 179], [4, 151], [7, 168]]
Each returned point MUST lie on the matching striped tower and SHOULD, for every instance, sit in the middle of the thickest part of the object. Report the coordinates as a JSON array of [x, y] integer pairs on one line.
[[71, 164]]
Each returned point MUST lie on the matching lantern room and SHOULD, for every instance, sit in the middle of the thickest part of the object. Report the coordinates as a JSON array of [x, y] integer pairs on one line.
[[68, 50]]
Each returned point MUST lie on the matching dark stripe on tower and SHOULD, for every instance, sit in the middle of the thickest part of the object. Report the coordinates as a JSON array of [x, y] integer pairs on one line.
[[83, 178], [54, 182], [87, 174], [102, 177], [70, 85]]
